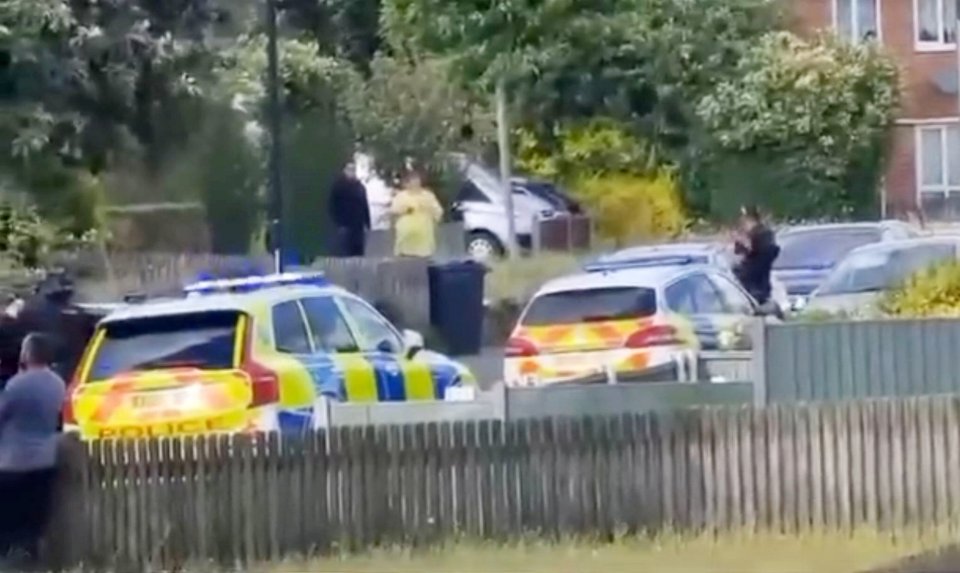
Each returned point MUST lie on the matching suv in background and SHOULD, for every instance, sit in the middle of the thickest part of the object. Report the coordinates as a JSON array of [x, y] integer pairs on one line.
[[481, 207]]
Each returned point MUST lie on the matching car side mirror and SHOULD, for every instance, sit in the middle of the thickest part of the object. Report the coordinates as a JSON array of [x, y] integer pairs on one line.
[[413, 341]]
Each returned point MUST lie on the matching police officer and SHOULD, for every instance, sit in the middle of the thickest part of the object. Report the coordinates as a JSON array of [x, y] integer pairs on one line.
[[758, 248], [45, 312]]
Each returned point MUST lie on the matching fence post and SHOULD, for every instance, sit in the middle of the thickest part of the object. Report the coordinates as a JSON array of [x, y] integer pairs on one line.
[[611, 373], [536, 239], [65, 541], [500, 402], [321, 413], [758, 361]]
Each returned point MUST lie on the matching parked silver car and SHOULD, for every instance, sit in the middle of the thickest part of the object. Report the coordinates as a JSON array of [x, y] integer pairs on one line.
[[867, 272]]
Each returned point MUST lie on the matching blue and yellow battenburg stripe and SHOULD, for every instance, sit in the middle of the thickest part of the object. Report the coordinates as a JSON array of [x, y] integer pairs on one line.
[[359, 378]]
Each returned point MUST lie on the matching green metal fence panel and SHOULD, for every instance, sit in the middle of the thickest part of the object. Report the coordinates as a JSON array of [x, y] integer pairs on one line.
[[859, 359], [617, 399]]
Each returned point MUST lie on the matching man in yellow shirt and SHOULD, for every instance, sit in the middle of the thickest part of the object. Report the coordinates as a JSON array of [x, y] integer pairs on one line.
[[417, 214]]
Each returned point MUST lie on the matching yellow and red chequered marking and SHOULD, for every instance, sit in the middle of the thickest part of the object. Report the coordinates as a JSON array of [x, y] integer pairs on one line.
[[588, 335], [222, 399]]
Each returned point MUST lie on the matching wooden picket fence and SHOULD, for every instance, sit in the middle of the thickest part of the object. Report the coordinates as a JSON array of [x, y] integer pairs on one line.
[[886, 464]]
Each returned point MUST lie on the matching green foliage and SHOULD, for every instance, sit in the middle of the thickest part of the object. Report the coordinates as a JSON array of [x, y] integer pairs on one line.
[[582, 150], [412, 110], [630, 207], [814, 115], [316, 146], [933, 292], [348, 29], [309, 79], [618, 176], [227, 169], [25, 238]]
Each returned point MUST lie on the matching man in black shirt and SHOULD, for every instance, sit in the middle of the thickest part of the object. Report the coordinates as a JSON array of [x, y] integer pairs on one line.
[[349, 212], [757, 246]]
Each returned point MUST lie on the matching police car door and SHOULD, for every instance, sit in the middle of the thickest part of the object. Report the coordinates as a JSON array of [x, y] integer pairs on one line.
[[337, 364], [739, 309], [398, 378], [695, 297]]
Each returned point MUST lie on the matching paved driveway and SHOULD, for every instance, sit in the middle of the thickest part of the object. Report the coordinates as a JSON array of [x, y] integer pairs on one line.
[[487, 366]]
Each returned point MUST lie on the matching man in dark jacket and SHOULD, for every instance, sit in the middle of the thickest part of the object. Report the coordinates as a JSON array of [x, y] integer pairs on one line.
[[349, 212], [757, 246]]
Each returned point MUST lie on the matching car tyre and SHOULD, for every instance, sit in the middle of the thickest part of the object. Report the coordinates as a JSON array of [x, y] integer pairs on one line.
[[483, 246]]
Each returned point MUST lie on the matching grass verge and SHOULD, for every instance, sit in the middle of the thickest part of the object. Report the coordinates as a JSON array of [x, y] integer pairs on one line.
[[761, 553]]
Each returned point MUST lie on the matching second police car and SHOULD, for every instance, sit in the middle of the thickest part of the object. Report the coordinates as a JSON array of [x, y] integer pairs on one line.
[[250, 354], [627, 315]]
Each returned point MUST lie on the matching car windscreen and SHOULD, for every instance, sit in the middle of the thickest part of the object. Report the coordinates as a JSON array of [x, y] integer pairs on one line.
[[205, 340], [824, 248], [591, 305], [877, 271]]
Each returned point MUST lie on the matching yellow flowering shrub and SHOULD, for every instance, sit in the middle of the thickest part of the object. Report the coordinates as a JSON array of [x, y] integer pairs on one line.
[[629, 207], [934, 292], [617, 176]]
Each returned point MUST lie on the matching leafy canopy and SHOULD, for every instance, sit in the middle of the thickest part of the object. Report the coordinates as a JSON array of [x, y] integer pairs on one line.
[[820, 112]]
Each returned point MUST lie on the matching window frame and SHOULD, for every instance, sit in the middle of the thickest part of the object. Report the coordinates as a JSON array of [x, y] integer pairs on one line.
[[751, 305], [351, 330], [355, 329], [944, 189], [303, 322], [932, 46], [689, 278], [666, 296], [855, 23]]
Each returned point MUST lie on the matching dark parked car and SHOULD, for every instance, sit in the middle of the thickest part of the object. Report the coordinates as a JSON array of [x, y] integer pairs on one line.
[[809, 252]]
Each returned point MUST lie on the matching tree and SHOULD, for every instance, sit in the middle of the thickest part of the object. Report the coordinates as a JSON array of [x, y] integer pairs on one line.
[[412, 110], [643, 61], [317, 138], [346, 29], [816, 115]]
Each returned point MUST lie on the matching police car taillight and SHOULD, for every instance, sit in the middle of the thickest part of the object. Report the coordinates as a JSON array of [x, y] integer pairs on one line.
[[658, 335], [518, 347], [264, 381], [68, 416]]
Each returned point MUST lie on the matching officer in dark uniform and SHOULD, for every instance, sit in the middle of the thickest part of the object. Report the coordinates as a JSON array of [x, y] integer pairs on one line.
[[46, 312], [757, 245]]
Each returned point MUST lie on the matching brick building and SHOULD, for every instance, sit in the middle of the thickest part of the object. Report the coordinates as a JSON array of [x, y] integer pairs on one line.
[[925, 162]]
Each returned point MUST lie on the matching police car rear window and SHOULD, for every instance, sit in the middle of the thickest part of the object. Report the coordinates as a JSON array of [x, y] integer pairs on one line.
[[199, 340], [591, 305]]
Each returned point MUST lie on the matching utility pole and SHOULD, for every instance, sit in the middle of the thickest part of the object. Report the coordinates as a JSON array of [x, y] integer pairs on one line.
[[274, 115], [503, 142]]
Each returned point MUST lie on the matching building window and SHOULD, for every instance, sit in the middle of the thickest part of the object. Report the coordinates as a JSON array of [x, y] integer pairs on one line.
[[936, 22], [856, 20], [938, 166]]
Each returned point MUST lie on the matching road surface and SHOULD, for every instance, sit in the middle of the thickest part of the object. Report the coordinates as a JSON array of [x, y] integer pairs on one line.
[[487, 366]]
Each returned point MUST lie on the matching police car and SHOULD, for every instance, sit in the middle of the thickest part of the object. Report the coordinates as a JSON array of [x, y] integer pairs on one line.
[[627, 315], [716, 254], [247, 354]]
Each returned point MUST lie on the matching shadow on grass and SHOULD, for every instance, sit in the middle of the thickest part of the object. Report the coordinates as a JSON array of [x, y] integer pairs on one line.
[[941, 560]]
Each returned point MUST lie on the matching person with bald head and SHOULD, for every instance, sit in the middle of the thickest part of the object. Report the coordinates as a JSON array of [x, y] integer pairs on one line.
[[30, 409]]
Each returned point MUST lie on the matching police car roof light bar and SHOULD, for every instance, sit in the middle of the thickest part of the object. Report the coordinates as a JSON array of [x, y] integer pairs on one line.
[[254, 283], [644, 262]]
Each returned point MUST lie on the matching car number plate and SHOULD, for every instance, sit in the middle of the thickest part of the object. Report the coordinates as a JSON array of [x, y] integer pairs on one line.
[[149, 402]]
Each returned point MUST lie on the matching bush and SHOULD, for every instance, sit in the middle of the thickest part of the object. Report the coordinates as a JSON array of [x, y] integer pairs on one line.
[[629, 207], [933, 292], [805, 123], [595, 148]]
